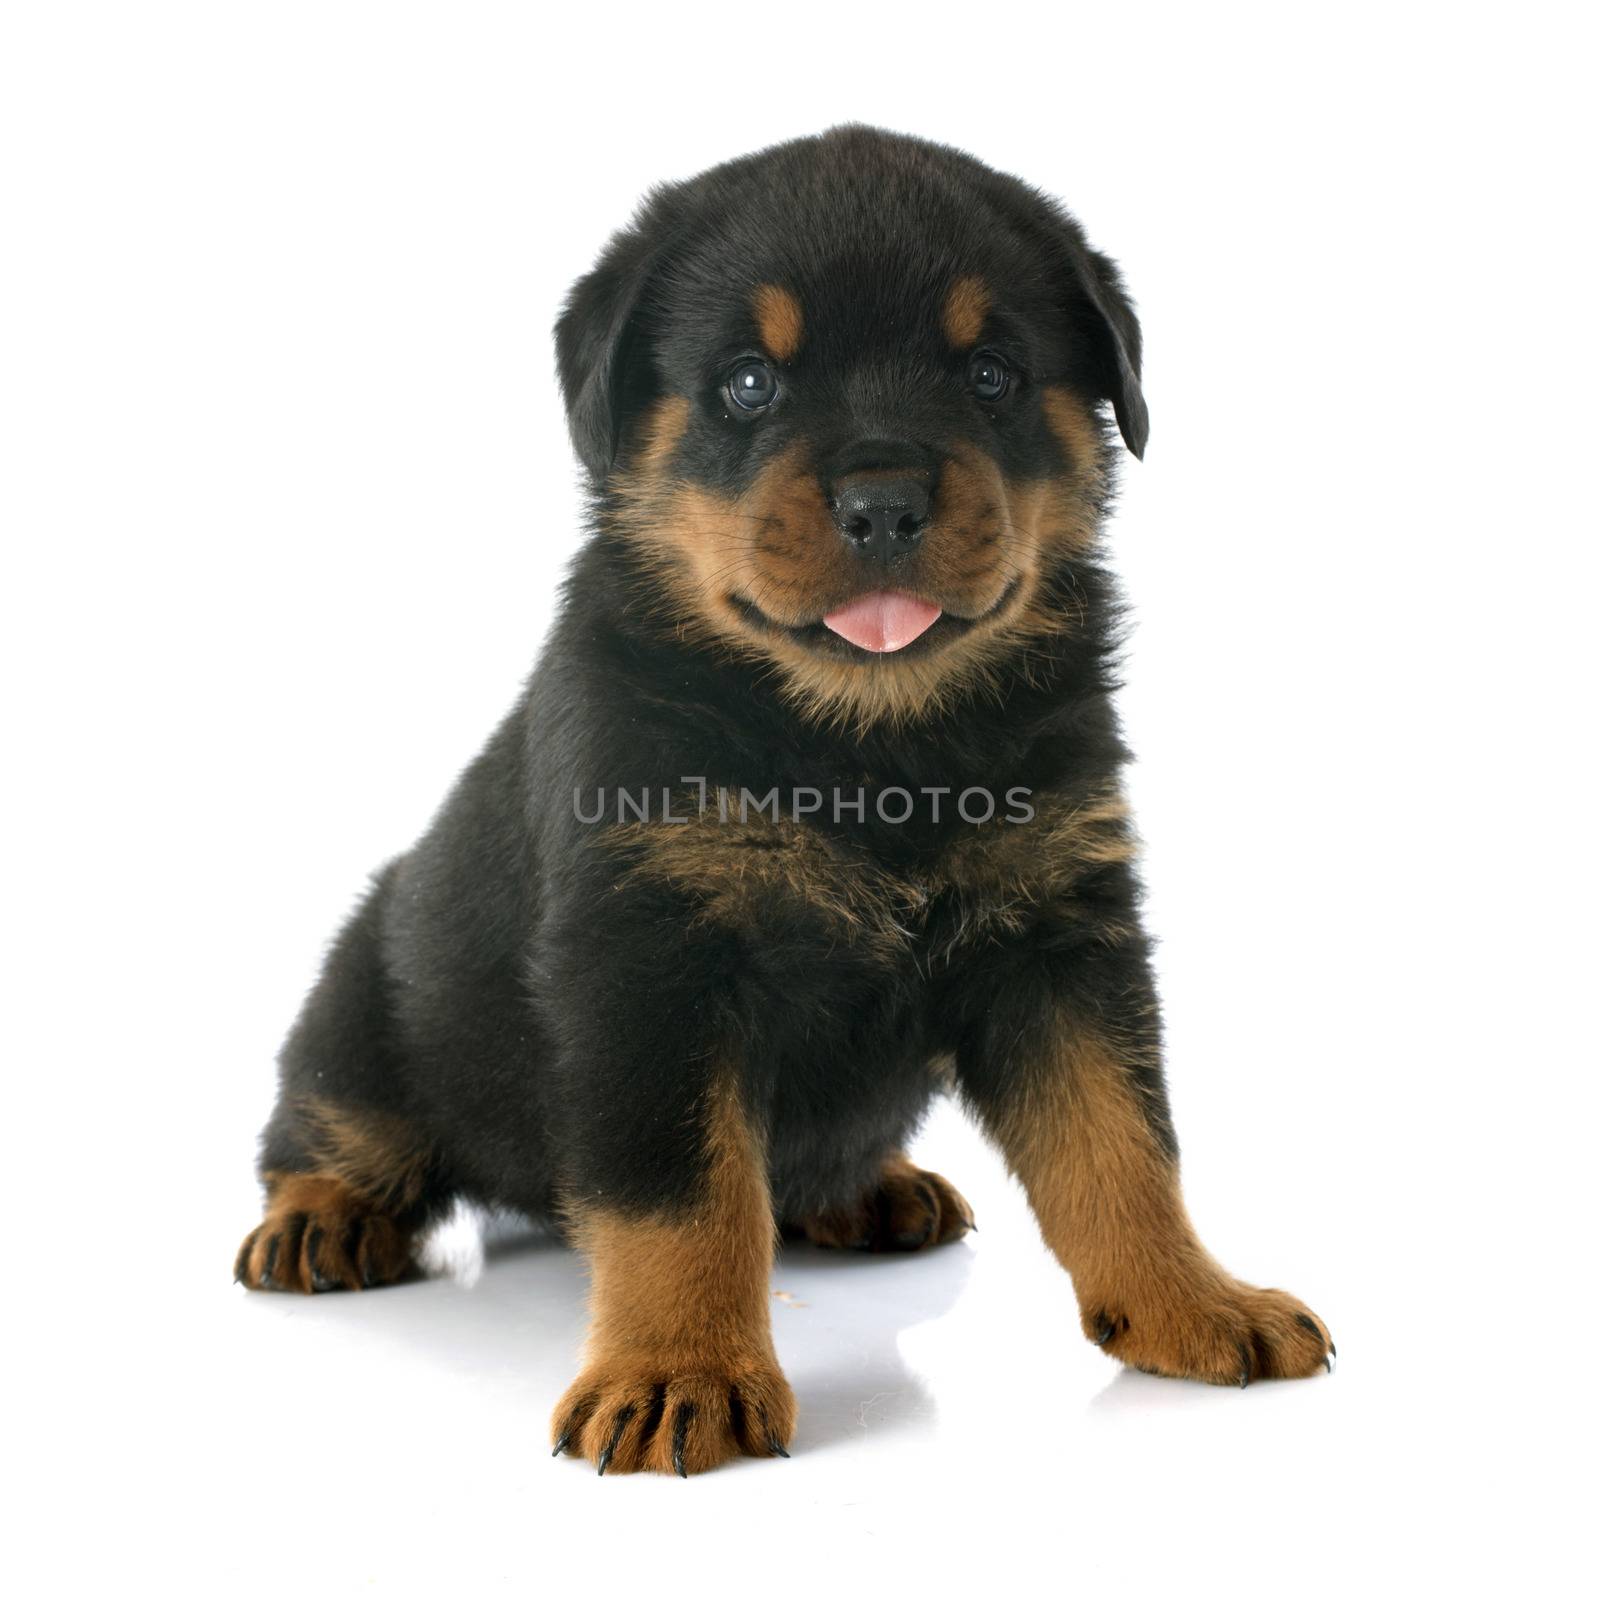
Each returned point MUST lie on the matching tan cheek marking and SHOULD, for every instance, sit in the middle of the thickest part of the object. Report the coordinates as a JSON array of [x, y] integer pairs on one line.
[[981, 552], [775, 544], [637, 481], [661, 432], [779, 320], [1073, 423], [966, 308]]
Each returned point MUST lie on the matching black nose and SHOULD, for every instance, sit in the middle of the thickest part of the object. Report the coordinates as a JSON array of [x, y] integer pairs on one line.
[[881, 516]]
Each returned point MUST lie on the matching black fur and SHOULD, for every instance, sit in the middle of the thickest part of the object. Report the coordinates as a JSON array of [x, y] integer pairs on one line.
[[549, 1033]]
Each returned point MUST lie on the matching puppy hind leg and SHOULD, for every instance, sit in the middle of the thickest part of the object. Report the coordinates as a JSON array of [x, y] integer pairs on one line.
[[350, 1179], [909, 1208], [347, 1214]]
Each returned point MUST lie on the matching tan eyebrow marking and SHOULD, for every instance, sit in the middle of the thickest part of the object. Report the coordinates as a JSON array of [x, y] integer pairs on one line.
[[965, 308], [779, 320]]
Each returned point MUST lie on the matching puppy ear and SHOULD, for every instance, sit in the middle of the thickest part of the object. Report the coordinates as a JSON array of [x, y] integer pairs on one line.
[[602, 351], [1121, 346], [1092, 288]]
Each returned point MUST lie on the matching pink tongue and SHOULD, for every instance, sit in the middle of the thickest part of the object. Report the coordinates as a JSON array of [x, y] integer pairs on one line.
[[883, 621]]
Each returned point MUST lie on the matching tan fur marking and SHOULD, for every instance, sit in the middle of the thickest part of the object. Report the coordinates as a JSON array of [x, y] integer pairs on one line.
[[319, 1233], [660, 431], [680, 1316], [775, 547], [1074, 423], [349, 1219], [1007, 872], [377, 1157], [1109, 1205], [966, 308], [1004, 873], [691, 1290], [779, 320], [735, 870]]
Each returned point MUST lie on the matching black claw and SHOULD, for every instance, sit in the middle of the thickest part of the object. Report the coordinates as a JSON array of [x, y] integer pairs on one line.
[[562, 1442], [972, 1227], [1327, 1361], [1107, 1329], [313, 1248], [624, 1417], [1244, 1368], [350, 1246], [1333, 1349], [680, 1438], [271, 1261], [652, 1418], [355, 1247], [777, 1449]]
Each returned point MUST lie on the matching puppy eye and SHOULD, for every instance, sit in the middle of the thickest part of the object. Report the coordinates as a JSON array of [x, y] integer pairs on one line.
[[753, 386], [988, 376]]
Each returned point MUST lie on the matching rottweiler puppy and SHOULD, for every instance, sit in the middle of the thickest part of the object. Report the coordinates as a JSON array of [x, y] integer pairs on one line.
[[810, 811]]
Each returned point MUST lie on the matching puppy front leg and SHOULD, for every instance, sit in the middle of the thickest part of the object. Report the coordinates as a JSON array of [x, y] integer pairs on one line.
[[680, 1372], [1083, 1127]]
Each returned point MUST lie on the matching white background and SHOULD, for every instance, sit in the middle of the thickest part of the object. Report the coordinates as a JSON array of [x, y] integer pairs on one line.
[[285, 494]]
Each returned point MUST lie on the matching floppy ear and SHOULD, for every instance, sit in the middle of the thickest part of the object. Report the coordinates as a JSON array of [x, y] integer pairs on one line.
[[1092, 288], [1121, 346], [602, 351]]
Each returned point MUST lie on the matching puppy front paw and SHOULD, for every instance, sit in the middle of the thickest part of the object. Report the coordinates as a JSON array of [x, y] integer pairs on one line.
[[635, 1417], [1219, 1331]]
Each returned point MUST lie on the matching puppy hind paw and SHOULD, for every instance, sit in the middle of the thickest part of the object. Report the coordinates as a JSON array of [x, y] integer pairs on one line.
[[911, 1209], [316, 1236]]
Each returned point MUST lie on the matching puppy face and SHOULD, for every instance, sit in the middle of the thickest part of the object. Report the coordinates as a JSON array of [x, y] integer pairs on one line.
[[841, 399]]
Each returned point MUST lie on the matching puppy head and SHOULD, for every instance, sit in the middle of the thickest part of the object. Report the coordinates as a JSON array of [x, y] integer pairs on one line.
[[841, 397]]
